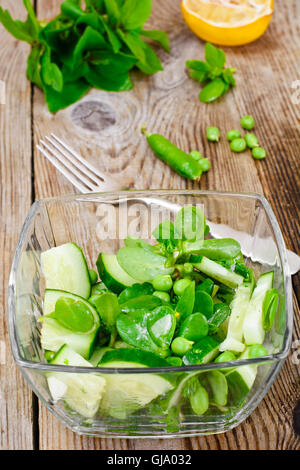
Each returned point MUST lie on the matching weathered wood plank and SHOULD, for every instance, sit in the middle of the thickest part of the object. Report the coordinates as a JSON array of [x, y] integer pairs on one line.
[[16, 417], [104, 127]]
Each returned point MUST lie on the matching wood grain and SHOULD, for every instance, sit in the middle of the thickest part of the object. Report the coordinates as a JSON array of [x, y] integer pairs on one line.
[[16, 399], [104, 127]]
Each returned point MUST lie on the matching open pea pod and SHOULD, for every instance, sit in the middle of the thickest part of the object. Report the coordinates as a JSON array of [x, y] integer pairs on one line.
[[161, 326], [221, 313]]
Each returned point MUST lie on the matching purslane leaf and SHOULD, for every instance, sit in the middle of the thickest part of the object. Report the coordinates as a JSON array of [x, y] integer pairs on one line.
[[158, 36], [134, 13]]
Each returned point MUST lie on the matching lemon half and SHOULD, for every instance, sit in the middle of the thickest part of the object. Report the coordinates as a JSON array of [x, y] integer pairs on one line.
[[227, 22]]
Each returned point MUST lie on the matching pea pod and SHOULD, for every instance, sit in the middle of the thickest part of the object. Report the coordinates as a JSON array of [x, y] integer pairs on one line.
[[185, 305], [181, 162], [221, 312]]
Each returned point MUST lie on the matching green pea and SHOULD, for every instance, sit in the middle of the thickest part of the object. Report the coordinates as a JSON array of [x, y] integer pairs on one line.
[[180, 285], [199, 401], [233, 134], [93, 276], [188, 268], [162, 282], [257, 350], [180, 346], [196, 155], [251, 140], [226, 356], [238, 145], [212, 134], [164, 296], [247, 122], [174, 361], [205, 164], [258, 153]]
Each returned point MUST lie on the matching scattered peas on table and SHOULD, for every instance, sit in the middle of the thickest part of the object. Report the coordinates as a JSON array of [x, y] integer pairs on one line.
[[213, 134], [247, 122], [233, 134], [251, 140], [238, 145], [258, 153]]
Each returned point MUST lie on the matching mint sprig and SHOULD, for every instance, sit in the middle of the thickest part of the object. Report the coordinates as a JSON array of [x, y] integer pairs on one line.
[[212, 72], [95, 46]]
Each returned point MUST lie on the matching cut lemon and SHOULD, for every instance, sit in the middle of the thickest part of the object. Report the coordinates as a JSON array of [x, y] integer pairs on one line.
[[227, 22]]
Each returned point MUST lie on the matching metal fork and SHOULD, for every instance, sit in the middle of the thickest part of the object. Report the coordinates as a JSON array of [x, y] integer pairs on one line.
[[82, 174]]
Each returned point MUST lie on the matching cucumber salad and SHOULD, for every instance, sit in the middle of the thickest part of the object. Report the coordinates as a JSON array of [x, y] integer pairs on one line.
[[185, 300]]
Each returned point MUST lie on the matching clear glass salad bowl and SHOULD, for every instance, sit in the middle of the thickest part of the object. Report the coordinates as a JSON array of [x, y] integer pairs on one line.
[[100, 222]]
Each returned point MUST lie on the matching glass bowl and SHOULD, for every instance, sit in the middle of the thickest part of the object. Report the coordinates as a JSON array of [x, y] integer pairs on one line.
[[99, 222]]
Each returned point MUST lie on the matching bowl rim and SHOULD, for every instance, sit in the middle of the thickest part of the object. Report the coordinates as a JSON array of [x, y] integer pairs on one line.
[[128, 195]]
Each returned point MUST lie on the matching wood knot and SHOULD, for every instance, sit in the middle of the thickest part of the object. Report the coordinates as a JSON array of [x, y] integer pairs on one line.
[[93, 115]]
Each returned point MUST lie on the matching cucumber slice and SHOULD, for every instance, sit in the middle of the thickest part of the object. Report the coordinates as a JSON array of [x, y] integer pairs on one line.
[[54, 335], [240, 381], [253, 328], [204, 351], [126, 393], [218, 272], [239, 305], [131, 358], [65, 268], [81, 392], [111, 273]]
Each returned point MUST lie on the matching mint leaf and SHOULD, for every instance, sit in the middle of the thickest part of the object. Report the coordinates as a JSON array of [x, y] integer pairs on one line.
[[70, 93], [148, 62], [158, 36], [24, 31], [33, 71], [214, 57], [135, 13], [212, 91]]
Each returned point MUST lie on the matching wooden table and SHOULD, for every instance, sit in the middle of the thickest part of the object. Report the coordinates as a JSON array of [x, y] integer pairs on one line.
[[169, 104]]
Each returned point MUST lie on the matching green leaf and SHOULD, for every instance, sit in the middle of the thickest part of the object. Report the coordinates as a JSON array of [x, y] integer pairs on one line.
[[165, 234], [70, 93], [270, 308], [145, 303], [74, 315], [199, 76], [50, 72], [89, 41], [136, 290], [24, 31], [141, 264], [161, 326], [158, 36], [71, 9], [113, 8], [214, 57], [135, 13], [107, 306], [111, 35], [33, 71], [212, 91], [148, 62], [228, 77], [185, 306], [190, 223]]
